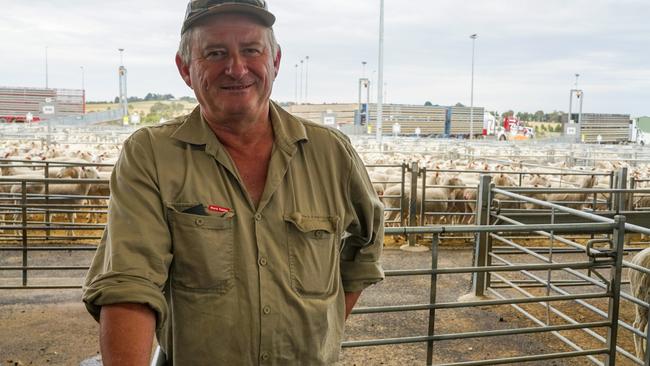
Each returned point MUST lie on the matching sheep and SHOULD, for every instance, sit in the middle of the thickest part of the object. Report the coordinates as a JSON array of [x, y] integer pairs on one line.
[[100, 189], [536, 181], [640, 288], [77, 190], [503, 180], [574, 200]]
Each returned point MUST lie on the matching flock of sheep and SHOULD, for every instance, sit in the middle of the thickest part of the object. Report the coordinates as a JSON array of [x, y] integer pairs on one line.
[[449, 196]]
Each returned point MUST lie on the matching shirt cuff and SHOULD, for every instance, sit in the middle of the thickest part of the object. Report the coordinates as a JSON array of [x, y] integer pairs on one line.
[[359, 275], [119, 290]]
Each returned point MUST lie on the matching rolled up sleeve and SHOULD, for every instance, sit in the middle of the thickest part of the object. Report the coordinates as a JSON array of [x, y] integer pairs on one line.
[[361, 251], [132, 261]]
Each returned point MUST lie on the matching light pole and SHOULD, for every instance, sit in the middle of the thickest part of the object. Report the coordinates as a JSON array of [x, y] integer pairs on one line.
[[577, 76], [302, 68], [83, 81], [46, 71], [83, 90], [306, 77], [123, 95], [380, 81], [296, 87], [471, 102]]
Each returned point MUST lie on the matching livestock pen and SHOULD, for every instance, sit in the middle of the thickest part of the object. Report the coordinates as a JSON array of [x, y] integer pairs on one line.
[[560, 268]]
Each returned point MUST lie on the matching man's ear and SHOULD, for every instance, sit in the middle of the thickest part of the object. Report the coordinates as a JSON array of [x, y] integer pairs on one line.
[[184, 70], [276, 61]]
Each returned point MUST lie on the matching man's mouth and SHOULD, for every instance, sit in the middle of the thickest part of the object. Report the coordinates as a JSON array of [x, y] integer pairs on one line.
[[237, 87]]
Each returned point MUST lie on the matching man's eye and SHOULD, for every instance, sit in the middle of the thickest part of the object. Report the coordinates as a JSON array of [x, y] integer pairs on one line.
[[252, 51], [215, 54]]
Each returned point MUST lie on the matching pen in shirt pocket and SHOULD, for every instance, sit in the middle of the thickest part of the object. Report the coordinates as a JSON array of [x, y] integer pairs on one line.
[[220, 211]]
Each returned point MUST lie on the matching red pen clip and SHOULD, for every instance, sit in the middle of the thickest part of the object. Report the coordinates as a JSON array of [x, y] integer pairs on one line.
[[216, 208]]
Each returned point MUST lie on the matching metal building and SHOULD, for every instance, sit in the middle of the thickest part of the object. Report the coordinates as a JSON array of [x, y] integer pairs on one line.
[[19, 101]]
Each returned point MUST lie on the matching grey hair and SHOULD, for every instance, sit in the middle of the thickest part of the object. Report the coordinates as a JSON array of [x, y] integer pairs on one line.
[[185, 46]]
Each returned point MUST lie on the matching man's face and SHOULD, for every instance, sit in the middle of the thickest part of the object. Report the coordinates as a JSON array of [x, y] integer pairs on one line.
[[232, 69]]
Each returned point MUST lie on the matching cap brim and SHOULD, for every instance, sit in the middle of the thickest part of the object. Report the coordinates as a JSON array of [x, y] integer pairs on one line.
[[263, 15]]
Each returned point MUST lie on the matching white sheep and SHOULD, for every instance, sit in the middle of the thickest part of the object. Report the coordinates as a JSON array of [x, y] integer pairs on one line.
[[640, 288], [55, 189]]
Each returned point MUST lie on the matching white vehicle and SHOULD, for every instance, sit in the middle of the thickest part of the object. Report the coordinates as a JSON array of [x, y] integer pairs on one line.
[[642, 138], [638, 134]]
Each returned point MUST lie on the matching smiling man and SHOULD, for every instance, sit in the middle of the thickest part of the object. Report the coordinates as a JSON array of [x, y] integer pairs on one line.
[[239, 234]]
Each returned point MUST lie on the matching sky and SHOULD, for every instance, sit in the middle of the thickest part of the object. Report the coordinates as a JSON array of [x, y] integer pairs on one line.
[[526, 55]]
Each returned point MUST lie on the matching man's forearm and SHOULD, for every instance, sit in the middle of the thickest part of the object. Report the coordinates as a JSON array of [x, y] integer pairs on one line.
[[126, 334], [350, 300]]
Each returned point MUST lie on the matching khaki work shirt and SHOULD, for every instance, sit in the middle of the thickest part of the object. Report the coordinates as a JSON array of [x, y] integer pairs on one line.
[[239, 285]]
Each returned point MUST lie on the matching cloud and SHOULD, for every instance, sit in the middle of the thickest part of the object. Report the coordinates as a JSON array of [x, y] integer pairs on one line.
[[526, 54]]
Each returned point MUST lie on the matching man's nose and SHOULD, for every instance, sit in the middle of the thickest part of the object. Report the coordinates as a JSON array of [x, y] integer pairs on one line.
[[236, 67]]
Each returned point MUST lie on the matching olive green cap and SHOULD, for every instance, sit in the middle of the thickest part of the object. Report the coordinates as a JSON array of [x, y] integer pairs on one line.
[[199, 9]]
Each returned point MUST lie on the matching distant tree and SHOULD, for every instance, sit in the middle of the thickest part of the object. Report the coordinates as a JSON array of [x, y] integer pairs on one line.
[[509, 113], [539, 116], [188, 99], [116, 100], [558, 128], [428, 104], [459, 104]]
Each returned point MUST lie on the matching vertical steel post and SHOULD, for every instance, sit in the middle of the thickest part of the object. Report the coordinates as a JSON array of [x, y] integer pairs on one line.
[[610, 201], [646, 356], [413, 201], [47, 215], [432, 296], [23, 199], [630, 197], [621, 183], [402, 209], [615, 289], [482, 244], [423, 172]]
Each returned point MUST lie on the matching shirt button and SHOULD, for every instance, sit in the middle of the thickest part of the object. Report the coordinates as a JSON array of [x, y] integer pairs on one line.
[[258, 216], [265, 356], [199, 222], [319, 234], [263, 262], [266, 310]]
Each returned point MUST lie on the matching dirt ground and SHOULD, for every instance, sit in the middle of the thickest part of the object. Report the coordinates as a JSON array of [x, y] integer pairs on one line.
[[51, 327]]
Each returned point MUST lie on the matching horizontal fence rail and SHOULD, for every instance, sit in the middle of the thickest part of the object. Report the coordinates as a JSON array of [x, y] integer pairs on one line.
[[505, 271]]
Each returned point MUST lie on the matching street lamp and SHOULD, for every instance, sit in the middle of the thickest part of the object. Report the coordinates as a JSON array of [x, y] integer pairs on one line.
[[471, 103], [83, 81], [123, 95], [46, 70], [302, 64], [83, 90], [296, 87], [306, 77], [380, 81]]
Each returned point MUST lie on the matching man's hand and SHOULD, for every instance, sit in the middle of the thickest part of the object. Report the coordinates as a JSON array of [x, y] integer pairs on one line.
[[350, 299], [126, 334]]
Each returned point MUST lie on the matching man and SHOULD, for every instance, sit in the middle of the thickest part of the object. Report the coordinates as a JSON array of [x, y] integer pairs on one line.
[[241, 234]]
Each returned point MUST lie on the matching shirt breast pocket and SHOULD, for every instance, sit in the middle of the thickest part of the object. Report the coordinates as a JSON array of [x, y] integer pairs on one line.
[[203, 252], [313, 254]]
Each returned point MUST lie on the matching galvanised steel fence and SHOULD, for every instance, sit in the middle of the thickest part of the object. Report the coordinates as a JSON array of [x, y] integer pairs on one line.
[[27, 230], [495, 277]]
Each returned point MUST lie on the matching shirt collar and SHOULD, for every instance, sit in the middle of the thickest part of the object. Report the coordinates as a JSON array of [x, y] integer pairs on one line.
[[288, 130]]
